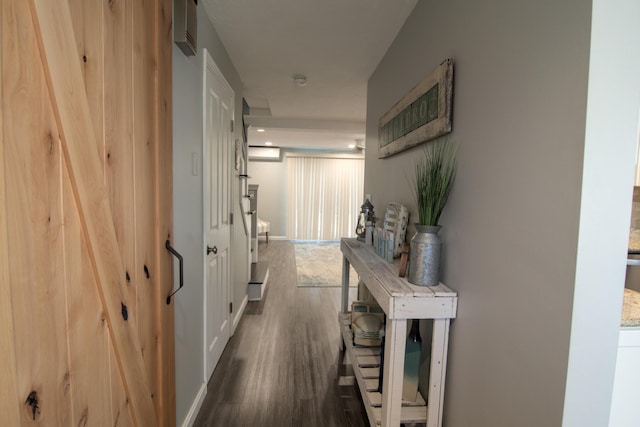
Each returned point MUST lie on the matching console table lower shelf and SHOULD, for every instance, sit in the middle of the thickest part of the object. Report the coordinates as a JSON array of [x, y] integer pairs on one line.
[[366, 366]]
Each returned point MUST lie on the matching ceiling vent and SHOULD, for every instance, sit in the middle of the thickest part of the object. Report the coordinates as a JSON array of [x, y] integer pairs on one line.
[[186, 25]]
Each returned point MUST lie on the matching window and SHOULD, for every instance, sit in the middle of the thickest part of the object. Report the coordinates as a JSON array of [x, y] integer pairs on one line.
[[324, 197]]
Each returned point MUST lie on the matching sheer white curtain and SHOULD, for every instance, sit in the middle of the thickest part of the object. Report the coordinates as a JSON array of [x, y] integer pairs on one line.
[[324, 197]]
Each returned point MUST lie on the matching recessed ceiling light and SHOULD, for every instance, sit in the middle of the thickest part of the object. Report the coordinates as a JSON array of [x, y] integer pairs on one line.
[[268, 143], [259, 130], [352, 145]]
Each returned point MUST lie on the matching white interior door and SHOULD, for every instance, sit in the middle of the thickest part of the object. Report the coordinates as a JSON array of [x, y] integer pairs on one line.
[[218, 114]]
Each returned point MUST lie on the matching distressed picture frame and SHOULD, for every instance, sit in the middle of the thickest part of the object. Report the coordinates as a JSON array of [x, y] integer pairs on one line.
[[421, 115]]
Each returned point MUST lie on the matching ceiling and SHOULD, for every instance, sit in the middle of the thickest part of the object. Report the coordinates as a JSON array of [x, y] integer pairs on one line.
[[335, 44]]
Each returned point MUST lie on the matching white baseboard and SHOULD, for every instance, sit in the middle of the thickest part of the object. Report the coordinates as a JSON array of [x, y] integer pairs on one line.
[[238, 316], [264, 238], [195, 406]]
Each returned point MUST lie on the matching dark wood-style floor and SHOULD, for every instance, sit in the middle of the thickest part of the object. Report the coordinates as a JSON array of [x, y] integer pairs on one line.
[[283, 365]]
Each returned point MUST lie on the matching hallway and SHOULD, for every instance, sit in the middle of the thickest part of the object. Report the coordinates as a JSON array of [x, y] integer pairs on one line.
[[281, 367]]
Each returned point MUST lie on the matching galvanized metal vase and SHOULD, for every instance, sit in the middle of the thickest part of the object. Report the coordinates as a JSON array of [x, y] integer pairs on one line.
[[424, 258]]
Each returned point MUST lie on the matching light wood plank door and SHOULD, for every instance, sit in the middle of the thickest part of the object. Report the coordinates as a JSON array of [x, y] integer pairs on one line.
[[85, 208], [217, 134]]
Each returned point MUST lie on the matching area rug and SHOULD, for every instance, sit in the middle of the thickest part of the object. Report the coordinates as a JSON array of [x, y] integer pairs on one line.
[[320, 264]]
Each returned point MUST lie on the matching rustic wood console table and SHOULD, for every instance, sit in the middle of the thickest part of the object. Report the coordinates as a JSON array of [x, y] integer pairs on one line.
[[401, 301]]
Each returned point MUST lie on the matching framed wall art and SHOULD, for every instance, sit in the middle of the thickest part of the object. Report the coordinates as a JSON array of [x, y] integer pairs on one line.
[[421, 115]]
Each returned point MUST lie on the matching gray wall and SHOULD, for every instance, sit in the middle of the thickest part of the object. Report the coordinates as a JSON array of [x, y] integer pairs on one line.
[[188, 223], [272, 193], [517, 214]]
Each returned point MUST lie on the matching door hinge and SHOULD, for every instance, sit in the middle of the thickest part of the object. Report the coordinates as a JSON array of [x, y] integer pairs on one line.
[[231, 218], [231, 125], [230, 307]]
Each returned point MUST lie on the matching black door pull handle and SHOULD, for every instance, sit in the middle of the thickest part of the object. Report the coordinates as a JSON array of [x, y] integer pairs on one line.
[[175, 253], [212, 249]]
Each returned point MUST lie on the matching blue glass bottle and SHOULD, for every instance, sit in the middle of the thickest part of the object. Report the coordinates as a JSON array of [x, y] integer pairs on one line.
[[412, 351]]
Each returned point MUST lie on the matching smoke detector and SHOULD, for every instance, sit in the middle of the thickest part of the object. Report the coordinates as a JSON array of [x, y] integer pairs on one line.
[[300, 80]]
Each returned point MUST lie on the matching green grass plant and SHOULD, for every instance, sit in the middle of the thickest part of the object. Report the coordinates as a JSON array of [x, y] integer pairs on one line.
[[435, 173]]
